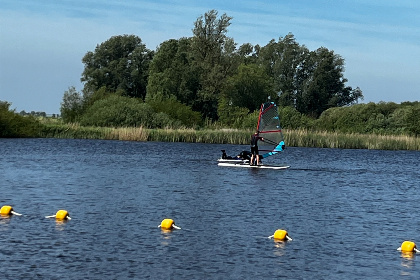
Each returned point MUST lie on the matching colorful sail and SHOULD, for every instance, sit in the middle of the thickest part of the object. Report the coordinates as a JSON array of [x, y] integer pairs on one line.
[[270, 130]]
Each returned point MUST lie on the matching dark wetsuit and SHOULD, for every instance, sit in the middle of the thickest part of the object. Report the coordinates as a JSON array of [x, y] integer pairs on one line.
[[254, 144]]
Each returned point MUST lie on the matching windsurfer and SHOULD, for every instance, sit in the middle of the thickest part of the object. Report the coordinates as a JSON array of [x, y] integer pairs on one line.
[[254, 148]]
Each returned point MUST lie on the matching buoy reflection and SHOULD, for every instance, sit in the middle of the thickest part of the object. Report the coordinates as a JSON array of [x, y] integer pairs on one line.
[[60, 224]]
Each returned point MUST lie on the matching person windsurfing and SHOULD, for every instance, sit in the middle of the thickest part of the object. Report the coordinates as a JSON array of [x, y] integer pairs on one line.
[[254, 148]]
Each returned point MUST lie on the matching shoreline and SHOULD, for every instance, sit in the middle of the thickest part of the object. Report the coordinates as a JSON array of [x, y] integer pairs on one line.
[[293, 138]]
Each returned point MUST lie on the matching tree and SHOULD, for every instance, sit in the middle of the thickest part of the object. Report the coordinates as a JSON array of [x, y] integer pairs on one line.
[[72, 105], [171, 73], [250, 87], [213, 52], [413, 120], [322, 85], [282, 61], [309, 81], [120, 63]]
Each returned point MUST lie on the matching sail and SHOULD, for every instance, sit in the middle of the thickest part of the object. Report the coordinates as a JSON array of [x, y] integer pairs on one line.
[[270, 130]]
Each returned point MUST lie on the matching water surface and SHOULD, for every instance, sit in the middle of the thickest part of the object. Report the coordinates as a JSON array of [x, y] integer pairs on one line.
[[346, 210]]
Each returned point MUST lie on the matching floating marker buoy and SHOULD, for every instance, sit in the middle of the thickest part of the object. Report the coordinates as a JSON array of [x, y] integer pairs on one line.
[[408, 246], [7, 210], [168, 224], [61, 215], [281, 234]]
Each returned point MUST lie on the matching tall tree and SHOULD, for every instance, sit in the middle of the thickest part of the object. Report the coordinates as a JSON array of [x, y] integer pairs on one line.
[[120, 63], [171, 73], [250, 87], [282, 61], [213, 52], [322, 84]]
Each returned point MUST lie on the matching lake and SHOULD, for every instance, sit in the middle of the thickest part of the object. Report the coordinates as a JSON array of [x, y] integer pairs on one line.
[[347, 211]]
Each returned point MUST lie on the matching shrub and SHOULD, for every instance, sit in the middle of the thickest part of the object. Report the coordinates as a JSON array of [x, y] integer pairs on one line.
[[118, 111], [15, 125]]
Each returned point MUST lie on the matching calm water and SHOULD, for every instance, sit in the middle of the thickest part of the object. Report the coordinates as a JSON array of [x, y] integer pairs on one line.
[[346, 210]]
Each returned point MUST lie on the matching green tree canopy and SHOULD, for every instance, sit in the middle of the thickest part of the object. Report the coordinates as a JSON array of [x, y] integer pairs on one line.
[[323, 85], [120, 63], [213, 52], [250, 87], [171, 73], [208, 68]]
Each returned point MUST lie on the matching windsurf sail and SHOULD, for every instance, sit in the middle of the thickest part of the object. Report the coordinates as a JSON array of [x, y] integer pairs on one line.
[[270, 130]]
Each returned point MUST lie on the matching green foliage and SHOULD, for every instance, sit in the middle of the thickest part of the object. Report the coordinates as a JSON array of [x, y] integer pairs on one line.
[[120, 63], [213, 54], [323, 85], [175, 110], [381, 118], [282, 60], [292, 119], [230, 115], [171, 73], [72, 105], [311, 81], [13, 125], [250, 121], [249, 88], [118, 111], [413, 120], [207, 73]]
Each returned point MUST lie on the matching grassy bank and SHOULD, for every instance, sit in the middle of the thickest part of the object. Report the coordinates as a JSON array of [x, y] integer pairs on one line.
[[293, 138]]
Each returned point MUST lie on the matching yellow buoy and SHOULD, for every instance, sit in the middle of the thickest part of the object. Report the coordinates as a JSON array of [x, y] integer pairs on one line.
[[408, 246], [168, 224], [7, 210], [61, 215], [281, 234]]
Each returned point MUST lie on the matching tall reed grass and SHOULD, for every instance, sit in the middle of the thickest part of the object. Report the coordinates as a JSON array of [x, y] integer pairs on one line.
[[293, 138], [305, 138]]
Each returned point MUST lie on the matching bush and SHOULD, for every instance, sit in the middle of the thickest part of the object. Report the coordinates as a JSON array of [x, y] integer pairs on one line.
[[293, 119], [180, 114], [15, 125], [118, 111]]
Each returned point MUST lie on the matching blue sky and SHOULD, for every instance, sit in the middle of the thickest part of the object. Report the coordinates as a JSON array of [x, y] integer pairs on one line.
[[42, 42]]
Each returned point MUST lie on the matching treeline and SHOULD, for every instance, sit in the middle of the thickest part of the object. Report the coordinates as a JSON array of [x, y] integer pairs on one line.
[[206, 78], [384, 118], [38, 114], [208, 82]]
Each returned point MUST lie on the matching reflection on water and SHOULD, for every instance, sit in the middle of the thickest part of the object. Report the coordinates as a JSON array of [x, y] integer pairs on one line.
[[280, 248], [407, 263], [336, 204]]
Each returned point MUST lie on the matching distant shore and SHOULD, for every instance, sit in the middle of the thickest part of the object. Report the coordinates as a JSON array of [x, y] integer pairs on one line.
[[293, 138]]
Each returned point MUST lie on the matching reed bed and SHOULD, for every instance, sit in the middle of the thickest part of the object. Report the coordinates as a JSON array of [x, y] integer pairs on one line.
[[293, 138], [304, 138], [200, 136], [127, 134]]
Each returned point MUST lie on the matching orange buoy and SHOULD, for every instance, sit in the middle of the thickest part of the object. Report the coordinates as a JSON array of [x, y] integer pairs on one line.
[[408, 246], [281, 234], [168, 224], [7, 210], [61, 215]]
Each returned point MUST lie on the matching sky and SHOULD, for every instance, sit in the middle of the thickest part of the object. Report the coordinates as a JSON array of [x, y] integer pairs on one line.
[[42, 42]]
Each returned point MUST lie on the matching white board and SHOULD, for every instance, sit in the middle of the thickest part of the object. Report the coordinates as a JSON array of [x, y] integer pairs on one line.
[[253, 166], [232, 160]]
